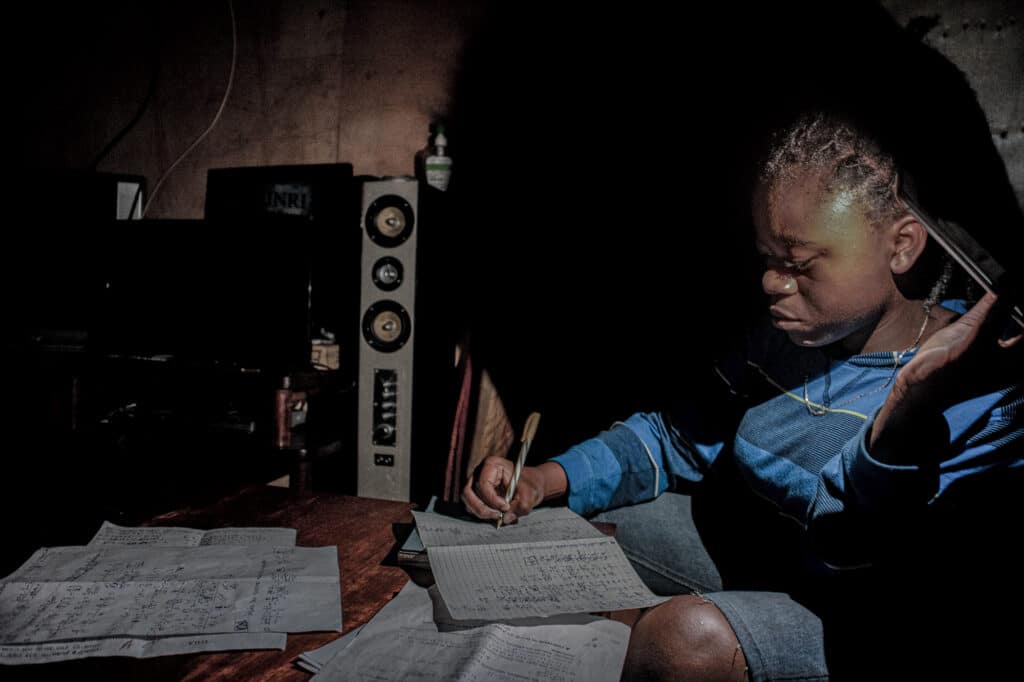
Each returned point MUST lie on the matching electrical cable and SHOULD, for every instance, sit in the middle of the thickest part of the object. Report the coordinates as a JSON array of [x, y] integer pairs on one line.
[[216, 117]]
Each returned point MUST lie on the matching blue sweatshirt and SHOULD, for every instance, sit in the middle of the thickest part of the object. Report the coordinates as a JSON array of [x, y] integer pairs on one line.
[[815, 468]]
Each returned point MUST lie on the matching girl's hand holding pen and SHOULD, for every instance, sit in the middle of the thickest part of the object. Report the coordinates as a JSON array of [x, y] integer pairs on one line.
[[495, 493], [484, 494]]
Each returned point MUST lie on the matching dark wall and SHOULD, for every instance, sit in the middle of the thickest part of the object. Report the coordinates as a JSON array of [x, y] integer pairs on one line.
[[605, 166], [314, 82]]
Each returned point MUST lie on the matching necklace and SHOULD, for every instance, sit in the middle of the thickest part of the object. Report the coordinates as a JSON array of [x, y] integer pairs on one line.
[[827, 406]]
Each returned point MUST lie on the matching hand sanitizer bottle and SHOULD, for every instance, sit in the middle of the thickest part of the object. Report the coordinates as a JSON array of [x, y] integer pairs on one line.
[[438, 165]]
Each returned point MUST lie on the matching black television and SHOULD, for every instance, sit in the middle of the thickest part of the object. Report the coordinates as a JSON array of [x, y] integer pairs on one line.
[[323, 193], [317, 206]]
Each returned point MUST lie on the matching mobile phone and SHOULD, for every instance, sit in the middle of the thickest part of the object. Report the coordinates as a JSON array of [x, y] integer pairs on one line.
[[964, 250]]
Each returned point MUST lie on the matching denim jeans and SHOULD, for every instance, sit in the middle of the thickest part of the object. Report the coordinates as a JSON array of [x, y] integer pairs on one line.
[[781, 639]]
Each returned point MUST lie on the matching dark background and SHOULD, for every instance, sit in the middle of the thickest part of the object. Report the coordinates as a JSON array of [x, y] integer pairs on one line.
[[612, 160]]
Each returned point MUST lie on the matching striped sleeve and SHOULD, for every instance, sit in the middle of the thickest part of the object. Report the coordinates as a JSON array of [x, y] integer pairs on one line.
[[632, 462], [860, 497]]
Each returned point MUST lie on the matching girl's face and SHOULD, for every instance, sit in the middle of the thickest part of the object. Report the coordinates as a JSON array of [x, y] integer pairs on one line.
[[827, 267]]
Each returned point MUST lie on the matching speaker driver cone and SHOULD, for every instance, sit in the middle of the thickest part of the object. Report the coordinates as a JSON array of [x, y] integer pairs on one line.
[[389, 220], [387, 273], [386, 326]]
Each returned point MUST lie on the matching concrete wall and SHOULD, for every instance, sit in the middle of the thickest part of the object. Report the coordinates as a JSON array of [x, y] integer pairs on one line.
[[985, 39], [315, 82]]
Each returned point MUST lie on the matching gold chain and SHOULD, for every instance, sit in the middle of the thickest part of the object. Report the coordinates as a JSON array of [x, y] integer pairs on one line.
[[896, 357]]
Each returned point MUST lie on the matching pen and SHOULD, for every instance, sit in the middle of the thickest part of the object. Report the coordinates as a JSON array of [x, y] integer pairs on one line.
[[528, 432]]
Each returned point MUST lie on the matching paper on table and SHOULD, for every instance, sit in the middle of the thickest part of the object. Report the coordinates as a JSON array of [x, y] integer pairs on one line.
[[143, 647], [537, 579], [410, 611], [495, 652], [313, 660], [112, 534], [89, 592], [411, 606], [137, 647], [541, 525]]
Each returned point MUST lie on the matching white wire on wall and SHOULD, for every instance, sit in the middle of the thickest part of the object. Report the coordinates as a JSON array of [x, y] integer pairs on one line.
[[216, 117]]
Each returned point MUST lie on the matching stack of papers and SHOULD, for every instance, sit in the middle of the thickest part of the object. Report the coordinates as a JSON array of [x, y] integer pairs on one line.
[[144, 592]]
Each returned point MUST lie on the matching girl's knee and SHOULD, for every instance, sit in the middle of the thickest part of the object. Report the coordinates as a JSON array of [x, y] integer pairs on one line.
[[686, 638]]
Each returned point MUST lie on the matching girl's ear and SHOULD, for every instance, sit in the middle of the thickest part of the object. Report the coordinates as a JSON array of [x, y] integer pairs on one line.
[[908, 239]]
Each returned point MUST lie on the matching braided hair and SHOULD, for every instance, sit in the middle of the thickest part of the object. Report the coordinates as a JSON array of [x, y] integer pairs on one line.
[[847, 159]]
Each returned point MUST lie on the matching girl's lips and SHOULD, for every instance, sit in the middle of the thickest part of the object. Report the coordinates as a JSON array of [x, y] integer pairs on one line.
[[781, 315], [783, 320]]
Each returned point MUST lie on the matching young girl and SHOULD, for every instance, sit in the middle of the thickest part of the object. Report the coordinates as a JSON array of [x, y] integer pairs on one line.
[[865, 427]]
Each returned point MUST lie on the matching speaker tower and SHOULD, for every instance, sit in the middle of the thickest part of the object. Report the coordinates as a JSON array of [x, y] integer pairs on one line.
[[388, 304]]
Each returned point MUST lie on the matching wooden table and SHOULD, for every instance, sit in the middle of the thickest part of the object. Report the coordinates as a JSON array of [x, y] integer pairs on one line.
[[361, 528]]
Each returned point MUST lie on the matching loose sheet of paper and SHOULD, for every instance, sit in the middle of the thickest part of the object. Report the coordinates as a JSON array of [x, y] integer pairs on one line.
[[64, 593], [137, 647], [111, 534], [493, 653], [541, 525], [312, 661], [141, 647], [537, 579], [417, 607], [411, 606], [402, 642]]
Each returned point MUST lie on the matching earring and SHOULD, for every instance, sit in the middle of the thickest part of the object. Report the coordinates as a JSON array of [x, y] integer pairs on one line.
[[940, 286]]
